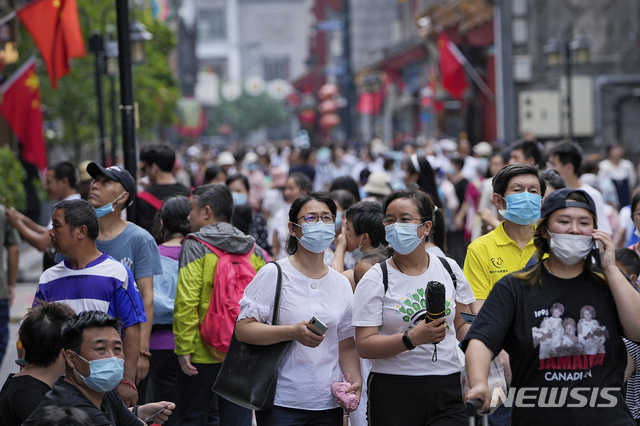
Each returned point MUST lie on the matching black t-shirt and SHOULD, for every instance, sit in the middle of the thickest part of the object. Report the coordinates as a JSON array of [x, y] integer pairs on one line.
[[561, 336], [19, 397], [145, 212], [112, 412]]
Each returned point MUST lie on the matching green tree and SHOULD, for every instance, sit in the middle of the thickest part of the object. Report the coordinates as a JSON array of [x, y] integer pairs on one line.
[[245, 114], [73, 106], [12, 174]]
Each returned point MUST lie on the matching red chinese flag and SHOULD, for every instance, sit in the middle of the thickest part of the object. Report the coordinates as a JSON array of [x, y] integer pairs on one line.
[[451, 67], [21, 109], [55, 27]]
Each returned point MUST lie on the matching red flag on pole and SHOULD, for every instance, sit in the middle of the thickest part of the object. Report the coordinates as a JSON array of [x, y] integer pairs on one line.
[[21, 109], [451, 67], [55, 27]]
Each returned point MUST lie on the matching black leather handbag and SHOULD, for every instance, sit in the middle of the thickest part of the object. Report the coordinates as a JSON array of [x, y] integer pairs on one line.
[[249, 373]]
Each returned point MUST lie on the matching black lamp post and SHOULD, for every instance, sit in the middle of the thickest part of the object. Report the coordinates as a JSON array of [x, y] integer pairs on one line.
[[111, 56], [96, 46], [567, 53]]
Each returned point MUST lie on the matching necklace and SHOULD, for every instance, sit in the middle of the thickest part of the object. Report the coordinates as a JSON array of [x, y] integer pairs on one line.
[[398, 266]]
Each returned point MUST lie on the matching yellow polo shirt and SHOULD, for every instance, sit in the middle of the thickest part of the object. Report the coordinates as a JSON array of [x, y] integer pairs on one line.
[[491, 257]]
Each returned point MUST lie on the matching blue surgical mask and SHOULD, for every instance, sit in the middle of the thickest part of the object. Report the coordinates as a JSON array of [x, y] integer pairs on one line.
[[107, 208], [523, 208], [105, 373], [317, 237], [338, 221], [239, 198], [403, 237]]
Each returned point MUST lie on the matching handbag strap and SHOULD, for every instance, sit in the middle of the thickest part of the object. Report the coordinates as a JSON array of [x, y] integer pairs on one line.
[[276, 302]]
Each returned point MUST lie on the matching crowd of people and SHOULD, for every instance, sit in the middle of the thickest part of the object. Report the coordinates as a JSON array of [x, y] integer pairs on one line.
[[540, 243]]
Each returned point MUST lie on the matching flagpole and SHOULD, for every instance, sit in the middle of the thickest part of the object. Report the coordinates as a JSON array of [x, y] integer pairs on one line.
[[9, 16]]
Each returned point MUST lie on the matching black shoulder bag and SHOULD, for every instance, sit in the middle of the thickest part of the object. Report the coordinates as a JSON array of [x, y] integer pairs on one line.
[[249, 373]]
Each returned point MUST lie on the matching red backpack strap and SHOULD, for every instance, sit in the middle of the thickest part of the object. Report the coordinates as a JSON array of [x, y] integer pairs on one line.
[[155, 202]]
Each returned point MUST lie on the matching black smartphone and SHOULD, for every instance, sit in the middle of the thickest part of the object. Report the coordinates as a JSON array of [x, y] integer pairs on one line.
[[468, 318], [317, 326], [596, 254]]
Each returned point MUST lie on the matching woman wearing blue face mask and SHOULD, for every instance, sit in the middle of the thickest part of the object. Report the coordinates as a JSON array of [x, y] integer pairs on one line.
[[309, 288], [392, 332], [257, 226]]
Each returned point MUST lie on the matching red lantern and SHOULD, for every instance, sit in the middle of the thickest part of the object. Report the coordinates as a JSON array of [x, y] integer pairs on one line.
[[307, 116], [329, 121], [327, 107], [328, 91]]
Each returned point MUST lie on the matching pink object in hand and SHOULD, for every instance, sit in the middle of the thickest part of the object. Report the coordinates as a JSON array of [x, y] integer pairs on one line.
[[347, 400]]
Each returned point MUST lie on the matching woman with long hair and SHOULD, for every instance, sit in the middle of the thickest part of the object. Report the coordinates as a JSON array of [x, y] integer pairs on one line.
[[580, 281], [309, 289]]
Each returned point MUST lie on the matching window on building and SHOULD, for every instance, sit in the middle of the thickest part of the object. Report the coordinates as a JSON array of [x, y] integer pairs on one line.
[[276, 68], [212, 25], [215, 65]]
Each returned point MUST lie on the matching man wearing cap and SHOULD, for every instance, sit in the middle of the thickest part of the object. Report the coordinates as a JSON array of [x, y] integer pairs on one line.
[[157, 163], [60, 183], [114, 189], [90, 280], [377, 187]]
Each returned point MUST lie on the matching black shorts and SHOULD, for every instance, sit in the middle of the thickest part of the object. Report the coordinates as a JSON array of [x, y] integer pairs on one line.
[[415, 400]]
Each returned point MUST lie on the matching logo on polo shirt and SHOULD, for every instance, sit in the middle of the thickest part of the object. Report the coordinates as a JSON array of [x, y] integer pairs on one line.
[[497, 263]]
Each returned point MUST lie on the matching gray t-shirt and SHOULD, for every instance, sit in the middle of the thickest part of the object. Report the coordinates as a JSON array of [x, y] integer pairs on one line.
[[136, 249], [8, 237]]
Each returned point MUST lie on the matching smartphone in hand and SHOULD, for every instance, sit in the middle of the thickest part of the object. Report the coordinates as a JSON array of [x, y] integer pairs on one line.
[[317, 326], [468, 318], [596, 254]]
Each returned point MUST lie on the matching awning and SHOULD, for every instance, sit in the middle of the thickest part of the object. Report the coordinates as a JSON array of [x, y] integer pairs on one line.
[[310, 82], [398, 56]]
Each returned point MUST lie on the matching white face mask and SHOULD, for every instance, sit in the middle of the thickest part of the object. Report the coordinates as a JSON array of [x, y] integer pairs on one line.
[[570, 249]]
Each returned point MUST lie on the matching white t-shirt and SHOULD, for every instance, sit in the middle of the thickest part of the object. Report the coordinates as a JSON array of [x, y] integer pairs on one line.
[[306, 374], [395, 312]]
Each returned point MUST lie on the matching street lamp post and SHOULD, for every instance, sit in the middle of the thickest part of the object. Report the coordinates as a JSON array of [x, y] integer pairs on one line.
[[111, 54], [567, 53], [96, 45]]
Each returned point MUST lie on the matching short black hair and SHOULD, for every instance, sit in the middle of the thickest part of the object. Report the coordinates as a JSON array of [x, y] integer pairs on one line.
[[78, 213], [73, 331], [174, 215], [161, 154], [426, 176], [212, 172], [303, 182], [551, 177], [629, 260], [61, 416], [568, 153], [501, 180], [218, 197], [529, 150], [418, 198], [66, 169], [343, 197], [41, 330], [366, 218], [346, 182], [238, 176], [294, 211]]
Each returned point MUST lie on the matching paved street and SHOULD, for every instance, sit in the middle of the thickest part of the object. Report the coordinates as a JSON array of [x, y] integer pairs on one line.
[[30, 270]]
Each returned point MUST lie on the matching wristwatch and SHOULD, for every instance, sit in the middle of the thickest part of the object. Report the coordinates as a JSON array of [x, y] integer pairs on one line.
[[407, 342]]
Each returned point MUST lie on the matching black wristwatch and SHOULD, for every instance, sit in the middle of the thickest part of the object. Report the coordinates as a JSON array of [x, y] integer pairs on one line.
[[134, 410], [407, 342]]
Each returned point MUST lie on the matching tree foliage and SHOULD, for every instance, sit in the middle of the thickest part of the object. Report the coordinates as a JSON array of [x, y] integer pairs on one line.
[[71, 111], [245, 114], [12, 174]]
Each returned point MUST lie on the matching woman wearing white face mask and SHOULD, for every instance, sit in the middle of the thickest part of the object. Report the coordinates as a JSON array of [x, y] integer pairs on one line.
[[309, 288], [408, 380], [571, 277]]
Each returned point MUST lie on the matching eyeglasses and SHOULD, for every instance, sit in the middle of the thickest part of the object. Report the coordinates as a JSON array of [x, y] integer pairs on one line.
[[314, 218], [405, 219]]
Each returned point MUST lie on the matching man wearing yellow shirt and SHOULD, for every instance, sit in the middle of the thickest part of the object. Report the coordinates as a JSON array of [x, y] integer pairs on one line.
[[517, 193]]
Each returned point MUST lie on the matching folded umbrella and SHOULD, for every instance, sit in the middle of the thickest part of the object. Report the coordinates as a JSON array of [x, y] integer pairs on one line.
[[436, 293]]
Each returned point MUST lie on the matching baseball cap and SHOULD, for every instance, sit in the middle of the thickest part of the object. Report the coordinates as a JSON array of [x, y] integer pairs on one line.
[[117, 174], [558, 200]]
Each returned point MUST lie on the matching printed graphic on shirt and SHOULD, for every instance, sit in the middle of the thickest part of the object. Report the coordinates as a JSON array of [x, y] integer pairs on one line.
[[498, 263], [563, 345], [413, 308]]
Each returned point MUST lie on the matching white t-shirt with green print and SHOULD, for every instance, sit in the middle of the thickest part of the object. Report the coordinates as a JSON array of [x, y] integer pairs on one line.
[[397, 310]]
